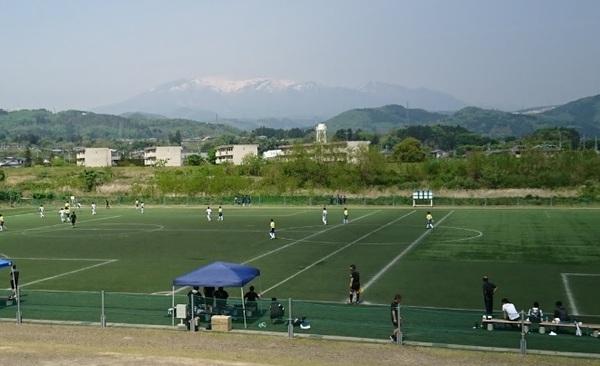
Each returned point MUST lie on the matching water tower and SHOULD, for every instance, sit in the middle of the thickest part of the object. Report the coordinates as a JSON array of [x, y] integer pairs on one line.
[[321, 133]]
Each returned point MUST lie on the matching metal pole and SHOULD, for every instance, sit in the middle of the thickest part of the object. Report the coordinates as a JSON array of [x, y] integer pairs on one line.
[[193, 314], [173, 305], [243, 307], [399, 336], [102, 313], [18, 294], [523, 340], [290, 325]]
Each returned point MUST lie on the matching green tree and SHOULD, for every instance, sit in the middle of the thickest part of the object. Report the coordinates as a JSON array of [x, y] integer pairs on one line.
[[194, 160], [28, 159], [409, 150]]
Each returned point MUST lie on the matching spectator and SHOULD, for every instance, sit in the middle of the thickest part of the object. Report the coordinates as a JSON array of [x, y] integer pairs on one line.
[[250, 298], [195, 297], [488, 296], [221, 300], [560, 313], [14, 281], [509, 310], [276, 310], [535, 314], [209, 297], [395, 317]]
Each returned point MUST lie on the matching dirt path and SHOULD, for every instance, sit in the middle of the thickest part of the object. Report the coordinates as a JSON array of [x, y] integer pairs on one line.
[[50, 345]]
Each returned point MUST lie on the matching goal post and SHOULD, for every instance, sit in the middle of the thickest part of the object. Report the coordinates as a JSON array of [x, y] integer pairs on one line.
[[422, 198]]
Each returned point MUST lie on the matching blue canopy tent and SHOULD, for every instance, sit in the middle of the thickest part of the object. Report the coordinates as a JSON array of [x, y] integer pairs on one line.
[[219, 274], [5, 263]]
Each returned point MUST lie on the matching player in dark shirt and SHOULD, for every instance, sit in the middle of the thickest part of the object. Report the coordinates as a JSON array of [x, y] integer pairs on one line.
[[221, 299], [14, 281], [488, 296], [73, 218], [394, 307], [354, 285]]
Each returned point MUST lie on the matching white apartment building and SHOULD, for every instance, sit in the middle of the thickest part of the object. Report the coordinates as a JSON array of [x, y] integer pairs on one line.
[[96, 157], [235, 153], [170, 155]]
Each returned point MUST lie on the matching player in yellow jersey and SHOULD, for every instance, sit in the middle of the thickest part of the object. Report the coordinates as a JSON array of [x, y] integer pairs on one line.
[[429, 218]]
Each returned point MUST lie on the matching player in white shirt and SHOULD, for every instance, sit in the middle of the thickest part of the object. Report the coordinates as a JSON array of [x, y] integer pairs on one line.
[[220, 213], [510, 311], [93, 208], [63, 215], [208, 213], [324, 217], [137, 204], [142, 207], [41, 210]]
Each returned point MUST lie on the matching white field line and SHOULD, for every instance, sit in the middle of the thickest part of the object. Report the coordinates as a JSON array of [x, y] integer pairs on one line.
[[402, 254], [69, 273], [64, 259], [41, 228], [280, 248], [337, 251], [570, 296], [303, 239]]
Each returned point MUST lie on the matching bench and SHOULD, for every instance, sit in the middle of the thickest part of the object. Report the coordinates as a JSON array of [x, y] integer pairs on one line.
[[594, 329], [489, 323]]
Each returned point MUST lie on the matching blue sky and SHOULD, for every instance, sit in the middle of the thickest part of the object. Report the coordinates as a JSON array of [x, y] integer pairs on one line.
[[505, 54]]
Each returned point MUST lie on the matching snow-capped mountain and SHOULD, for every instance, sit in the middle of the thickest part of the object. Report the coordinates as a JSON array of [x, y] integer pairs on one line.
[[257, 98]]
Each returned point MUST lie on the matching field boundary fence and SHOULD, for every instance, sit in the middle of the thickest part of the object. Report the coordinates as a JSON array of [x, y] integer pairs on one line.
[[424, 326]]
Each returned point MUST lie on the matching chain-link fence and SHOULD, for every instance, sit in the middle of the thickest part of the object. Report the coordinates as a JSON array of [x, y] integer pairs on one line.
[[419, 325]]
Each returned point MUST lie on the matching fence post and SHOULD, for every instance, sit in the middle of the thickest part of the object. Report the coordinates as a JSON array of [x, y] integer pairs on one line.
[[102, 313], [18, 294], [399, 335], [192, 315], [523, 333], [290, 324]]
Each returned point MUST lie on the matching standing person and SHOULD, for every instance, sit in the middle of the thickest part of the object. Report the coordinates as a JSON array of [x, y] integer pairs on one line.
[[221, 297], [220, 213], [346, 216], [250, 298], [93, 208], [509, 310], [429, 220], [354, 285], [107, 204], [14, 281], [1, 222], [324, 216], [488, 296], [41, 210], [137, 205], [272, 232], [142, 207], [63, 215], [73, 218], [208, 213], [394, 307]]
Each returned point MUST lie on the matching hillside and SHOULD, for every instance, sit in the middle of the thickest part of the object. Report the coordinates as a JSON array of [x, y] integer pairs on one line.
[[582, 114], [494, 123], [381, 119], [33, 126]]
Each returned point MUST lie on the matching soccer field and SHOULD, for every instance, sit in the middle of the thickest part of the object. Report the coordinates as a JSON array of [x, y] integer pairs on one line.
[[531, 254]]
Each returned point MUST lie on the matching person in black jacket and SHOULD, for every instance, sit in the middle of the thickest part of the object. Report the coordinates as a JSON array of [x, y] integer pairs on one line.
[[488, 296]]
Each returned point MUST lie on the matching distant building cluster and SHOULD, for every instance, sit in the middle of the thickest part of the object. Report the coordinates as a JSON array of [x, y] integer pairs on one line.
[[96, 157]]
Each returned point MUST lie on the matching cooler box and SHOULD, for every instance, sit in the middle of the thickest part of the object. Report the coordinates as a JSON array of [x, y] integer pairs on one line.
[[220, 323]]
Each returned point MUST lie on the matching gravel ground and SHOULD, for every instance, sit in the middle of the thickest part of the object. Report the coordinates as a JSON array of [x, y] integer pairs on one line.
[[49, 345]]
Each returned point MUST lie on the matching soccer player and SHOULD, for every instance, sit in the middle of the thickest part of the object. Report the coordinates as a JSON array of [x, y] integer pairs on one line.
[[137, 204], [63, 216], [395, 317], [73, 218], [208, 213], [354, 285], [220, 213], [93, 208], [1, 222], [429, 218], [41, 210], [142, 207], [272, 232], [346, 216], [324, 217], [67, 214]]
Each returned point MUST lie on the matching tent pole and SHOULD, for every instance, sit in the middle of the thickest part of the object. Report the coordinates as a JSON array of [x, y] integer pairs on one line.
[[173, 305], [243, 307]]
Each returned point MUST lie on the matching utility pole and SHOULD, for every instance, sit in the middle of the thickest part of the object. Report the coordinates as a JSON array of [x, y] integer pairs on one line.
[[559, 140]]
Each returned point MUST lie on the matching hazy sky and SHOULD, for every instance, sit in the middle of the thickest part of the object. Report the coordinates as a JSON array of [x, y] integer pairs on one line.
[[507, 54]]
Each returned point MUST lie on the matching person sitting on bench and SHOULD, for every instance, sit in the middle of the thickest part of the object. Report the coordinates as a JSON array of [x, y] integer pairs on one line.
[[509, 310], [277, 311], [560, 313], [535, 314]]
